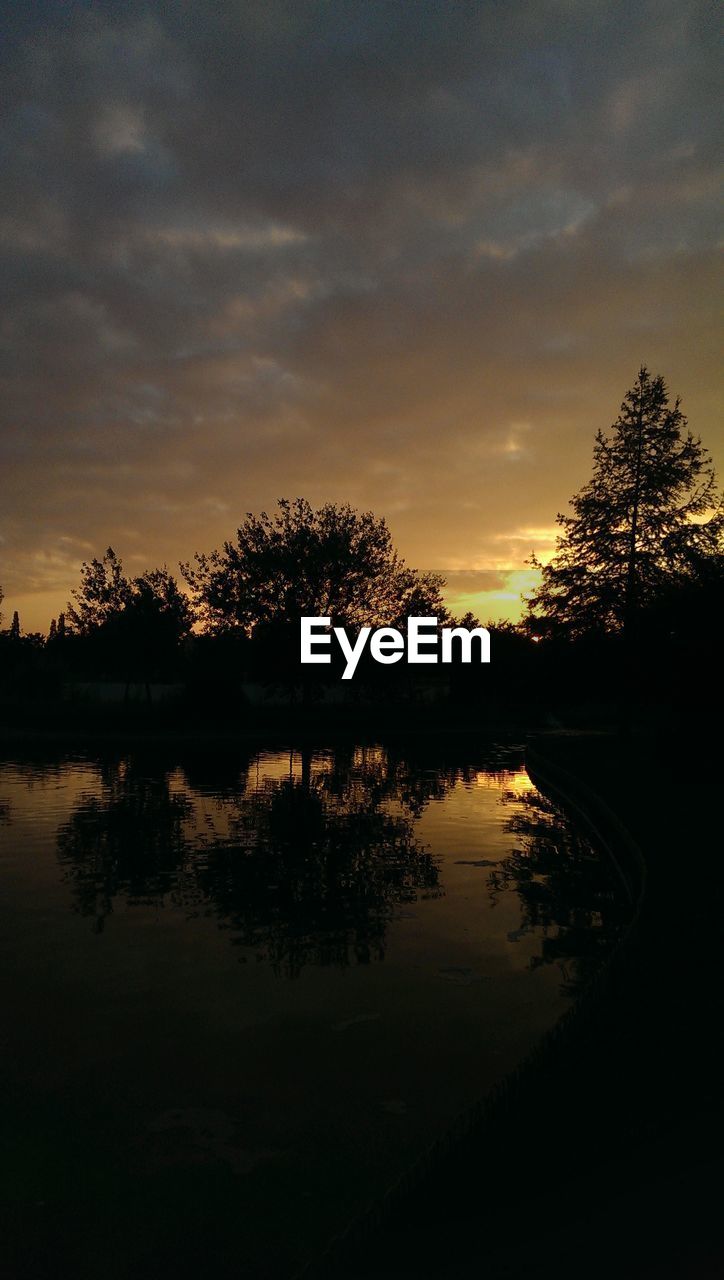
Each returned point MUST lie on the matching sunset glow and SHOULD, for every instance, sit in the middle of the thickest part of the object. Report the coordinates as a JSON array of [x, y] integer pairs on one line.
[[415, 274]]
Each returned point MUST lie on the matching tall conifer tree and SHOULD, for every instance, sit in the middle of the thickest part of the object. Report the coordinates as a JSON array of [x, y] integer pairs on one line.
[[647, 520]]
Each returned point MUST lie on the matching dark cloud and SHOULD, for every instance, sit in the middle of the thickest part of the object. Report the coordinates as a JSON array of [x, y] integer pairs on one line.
[[405, 255]]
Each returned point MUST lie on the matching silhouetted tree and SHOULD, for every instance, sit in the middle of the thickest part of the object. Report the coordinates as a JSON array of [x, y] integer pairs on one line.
[[15, 626], [56, 634], [157, 601], [648, 517], [149, 628], [333, 561], [133, 625], [468, 620], [103, 592]]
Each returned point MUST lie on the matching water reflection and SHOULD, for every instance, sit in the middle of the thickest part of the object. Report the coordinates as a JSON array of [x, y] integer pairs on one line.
[[303, 869], [306, 858], [155, 1070], [128, 841], [568, 891], [316, 874]]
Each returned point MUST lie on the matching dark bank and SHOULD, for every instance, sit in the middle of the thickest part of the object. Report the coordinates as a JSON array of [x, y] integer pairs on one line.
[[603, 1152]]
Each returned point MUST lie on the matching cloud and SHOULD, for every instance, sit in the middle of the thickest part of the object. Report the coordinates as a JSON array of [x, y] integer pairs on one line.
[[409, 262]]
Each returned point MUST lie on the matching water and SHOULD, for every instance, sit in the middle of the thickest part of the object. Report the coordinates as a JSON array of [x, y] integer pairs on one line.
[[241, 993]]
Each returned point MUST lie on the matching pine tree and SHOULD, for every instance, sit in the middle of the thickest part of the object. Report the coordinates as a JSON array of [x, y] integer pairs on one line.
[[15, 626], [647, 520]]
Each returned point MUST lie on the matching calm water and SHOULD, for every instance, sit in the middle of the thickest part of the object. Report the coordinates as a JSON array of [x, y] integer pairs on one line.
[[240, 994]]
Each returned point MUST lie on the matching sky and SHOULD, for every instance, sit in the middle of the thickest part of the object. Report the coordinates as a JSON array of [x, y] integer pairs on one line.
[[407, 255]]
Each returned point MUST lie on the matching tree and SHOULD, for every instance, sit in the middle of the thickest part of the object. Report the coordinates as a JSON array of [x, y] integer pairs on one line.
[[331, 562], [156, 595], [103, 593], [649, 517], [106, 596], [56, 634], [132, 626], [154, 620], [15, 626]]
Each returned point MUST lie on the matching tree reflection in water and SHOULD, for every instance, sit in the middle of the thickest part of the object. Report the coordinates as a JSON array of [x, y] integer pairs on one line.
[[305, 869], [567, 888], [309, 868], [130, 841], [315, 878]]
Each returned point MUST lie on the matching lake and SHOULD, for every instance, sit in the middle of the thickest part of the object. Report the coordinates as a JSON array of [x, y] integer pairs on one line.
[[243, 990]]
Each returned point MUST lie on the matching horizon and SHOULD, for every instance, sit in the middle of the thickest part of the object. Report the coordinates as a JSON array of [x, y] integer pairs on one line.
[[491, 595]]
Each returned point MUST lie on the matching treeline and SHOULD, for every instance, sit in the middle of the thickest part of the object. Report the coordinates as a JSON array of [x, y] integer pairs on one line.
[[147, 631], [232, 617], [629, 609]]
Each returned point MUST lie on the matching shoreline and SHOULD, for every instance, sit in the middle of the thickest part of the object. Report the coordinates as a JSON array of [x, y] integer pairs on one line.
[[618, 1093], [306, 727]]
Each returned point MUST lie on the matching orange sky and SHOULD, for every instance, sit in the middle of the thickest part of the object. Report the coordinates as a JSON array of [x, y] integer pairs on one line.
[[344, 253]]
